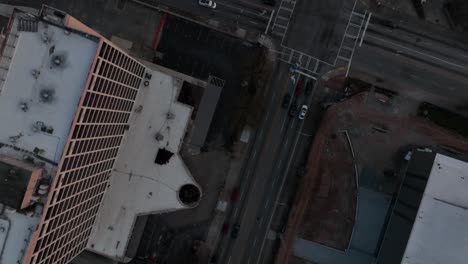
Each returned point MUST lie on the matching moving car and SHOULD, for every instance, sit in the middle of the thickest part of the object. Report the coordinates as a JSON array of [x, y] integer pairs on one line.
[[286, 100], [303, 112], [207, 3], [235, 231]]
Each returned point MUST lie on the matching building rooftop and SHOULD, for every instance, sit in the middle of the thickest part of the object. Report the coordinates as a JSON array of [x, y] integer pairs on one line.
[[149, 173], [18, 181], [44, 69], [62, 85], [440, 230], [39, 97]]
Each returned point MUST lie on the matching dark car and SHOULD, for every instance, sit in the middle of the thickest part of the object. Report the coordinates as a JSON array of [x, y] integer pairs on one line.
[[235, 195], [300, 87], [308, 89], [269, 2], [286, 100], [225, 228], [293, 109], [235, 231]]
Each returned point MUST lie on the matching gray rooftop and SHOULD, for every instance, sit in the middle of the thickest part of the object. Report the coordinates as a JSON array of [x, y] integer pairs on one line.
[[440, 229], [39, 99], [405, 208], [43, 72]]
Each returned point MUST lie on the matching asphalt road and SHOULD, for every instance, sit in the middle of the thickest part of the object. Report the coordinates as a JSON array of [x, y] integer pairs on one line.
[[317, 27], [271, 156], [229, 15], [416, 60]]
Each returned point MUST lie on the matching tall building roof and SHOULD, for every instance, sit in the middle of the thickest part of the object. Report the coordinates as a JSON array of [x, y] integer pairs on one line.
[[68, 99], [43, 72]]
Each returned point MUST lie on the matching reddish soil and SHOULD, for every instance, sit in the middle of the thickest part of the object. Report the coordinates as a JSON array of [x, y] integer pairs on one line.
[[325, 203], [329, 217]]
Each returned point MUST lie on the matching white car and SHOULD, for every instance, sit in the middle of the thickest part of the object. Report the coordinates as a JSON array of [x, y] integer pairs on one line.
[[303, 112], [207, 3]]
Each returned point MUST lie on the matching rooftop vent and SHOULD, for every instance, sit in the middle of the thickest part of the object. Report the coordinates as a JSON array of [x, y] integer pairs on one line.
[[189, 194], [163, 157], [46, 95], [58, 60], [23, 106]]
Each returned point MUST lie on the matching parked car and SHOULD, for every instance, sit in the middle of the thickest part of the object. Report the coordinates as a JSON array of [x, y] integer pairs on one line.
[[303, 112], [269, 2], [309, 87], [207, 3], [225, 228], [235, 195], [286, 100], [235, 231], [300, 86], [293, 109]]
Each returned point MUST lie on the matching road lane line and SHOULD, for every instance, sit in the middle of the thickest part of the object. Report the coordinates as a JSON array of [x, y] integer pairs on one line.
[[287, 140], [268, 201], [282, 126], [420, 53], [229, 261], [255, 153], [270, 219], [255, 241]]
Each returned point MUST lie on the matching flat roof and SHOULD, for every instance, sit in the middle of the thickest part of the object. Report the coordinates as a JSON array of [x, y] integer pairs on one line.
[[406, 207], [441, 227], [206, 111], [50, 97], [13, 184], [39, 97], [18, 229], [138, 185]]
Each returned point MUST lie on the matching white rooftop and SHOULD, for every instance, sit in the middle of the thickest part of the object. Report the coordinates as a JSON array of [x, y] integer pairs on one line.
[[440, 231], [64, 84], [138, 185], [15, 231]]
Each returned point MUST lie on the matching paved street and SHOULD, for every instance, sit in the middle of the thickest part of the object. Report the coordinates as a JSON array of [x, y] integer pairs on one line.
[[408, 58], [245, 19], [273, 157], [269, 161], [323, 22]]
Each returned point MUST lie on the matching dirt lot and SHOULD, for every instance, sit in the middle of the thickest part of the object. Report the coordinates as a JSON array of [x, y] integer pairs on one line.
[[329, 218], [381, 130]]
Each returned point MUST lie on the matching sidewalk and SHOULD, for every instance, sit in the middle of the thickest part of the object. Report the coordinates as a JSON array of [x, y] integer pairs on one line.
[[232, 180]]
